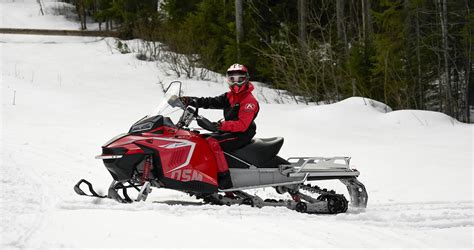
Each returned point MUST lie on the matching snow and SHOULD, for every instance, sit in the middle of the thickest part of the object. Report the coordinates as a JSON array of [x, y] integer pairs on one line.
[[75, 93], [27, 14]]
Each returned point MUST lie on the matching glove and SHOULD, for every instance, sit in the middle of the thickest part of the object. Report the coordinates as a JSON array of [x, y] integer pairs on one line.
[[186, 100], [217, 125]]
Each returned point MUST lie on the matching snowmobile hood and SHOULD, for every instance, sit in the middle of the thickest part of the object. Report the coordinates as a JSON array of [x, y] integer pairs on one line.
[[114, 139]]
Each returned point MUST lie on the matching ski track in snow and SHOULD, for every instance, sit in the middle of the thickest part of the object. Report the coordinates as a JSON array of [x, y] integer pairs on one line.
[[22, 193], [430, 215], [417, 215]]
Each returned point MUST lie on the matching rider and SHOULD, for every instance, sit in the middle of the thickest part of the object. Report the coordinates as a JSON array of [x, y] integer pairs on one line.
[[238, 127]]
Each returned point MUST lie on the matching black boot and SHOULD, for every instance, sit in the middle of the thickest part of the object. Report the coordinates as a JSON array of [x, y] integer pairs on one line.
[[224, 180]]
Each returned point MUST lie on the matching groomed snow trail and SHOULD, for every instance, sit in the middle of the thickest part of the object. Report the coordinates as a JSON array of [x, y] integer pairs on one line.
[[72, 94]]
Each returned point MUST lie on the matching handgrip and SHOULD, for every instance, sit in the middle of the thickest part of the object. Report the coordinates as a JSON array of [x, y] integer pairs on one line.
[[206, 124]]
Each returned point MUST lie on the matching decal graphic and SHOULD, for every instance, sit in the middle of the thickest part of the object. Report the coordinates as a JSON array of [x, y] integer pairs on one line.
[[186, 175], [175, 145], [249, 106]]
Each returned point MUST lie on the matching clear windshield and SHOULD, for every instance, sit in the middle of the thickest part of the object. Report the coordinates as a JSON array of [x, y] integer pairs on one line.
[[170, 105]]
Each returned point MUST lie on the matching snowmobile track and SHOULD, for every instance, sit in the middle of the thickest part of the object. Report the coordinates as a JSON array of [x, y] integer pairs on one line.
[[33, 206], [431, 215]]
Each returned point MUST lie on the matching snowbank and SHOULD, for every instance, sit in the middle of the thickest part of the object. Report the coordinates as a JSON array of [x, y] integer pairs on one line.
[[28, 14]]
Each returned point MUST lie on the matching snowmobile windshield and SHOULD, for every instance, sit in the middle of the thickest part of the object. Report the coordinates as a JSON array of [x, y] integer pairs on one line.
[[170, 104]]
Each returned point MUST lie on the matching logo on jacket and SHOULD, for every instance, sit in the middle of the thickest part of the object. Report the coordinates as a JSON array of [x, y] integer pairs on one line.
[[249, 106]]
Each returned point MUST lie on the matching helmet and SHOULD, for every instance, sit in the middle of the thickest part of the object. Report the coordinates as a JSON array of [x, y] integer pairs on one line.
[[237, 77]]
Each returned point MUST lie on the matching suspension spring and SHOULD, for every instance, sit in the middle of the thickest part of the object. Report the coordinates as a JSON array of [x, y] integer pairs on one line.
[[146, 170]]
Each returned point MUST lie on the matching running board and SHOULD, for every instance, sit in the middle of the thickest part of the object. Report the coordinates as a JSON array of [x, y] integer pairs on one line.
[[321, 166], [272, 177]]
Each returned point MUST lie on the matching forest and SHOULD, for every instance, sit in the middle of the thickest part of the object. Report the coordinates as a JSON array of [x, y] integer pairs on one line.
[[409, 54]]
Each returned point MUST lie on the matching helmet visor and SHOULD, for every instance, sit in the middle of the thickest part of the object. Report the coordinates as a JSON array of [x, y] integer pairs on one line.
[[236, 78]]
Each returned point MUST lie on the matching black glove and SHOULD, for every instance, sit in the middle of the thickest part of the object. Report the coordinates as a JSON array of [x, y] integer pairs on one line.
[[217, 125], [186, 100]]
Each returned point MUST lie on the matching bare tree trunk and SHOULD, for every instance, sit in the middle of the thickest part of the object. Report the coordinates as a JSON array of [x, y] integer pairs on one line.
[[353, 83], [370, 26], [355, 23], [385, 85], [84, 18], [469, 65], [341, 29], [469, 93], [81, 12], [367, 29], [302, 23], [41, 7], [418, 62], [443, 12], [239, 27], [409, 92], [366, 20]]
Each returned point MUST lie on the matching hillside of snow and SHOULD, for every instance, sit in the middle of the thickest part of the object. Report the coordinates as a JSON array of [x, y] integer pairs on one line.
[[28, 14], [63, 97]]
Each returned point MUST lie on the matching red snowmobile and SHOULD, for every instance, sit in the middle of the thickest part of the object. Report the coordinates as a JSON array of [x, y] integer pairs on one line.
[[159, 153]]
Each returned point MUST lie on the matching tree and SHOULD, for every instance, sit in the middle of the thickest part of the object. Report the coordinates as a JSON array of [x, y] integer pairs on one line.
[[239, 26], [446, 77], [341, 28], [468, 45], [407, 53], [302, 23]]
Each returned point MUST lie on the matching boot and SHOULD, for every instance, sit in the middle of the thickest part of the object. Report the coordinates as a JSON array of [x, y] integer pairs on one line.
[[224, 180]]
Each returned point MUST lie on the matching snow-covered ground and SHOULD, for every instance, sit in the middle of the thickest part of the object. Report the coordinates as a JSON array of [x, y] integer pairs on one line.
[[28, 14], [63, 97]]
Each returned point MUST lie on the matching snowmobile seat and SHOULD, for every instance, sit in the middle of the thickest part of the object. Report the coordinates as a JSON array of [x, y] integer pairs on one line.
[[260, 152]]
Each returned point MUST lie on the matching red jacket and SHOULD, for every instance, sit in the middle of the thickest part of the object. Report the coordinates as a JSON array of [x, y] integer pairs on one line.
[[240, 110]]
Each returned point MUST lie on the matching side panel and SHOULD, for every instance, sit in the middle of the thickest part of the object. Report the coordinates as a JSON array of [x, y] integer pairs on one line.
[[185, 158]]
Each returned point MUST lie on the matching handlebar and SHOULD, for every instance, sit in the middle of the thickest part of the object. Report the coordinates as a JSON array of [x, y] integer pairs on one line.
[[191, 113], [204, 123]]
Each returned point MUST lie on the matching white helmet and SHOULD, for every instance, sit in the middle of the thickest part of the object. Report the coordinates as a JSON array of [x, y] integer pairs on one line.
[[237, 77]]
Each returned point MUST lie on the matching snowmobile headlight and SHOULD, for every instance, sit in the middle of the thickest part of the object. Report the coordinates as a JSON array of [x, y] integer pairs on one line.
[[142, 127]]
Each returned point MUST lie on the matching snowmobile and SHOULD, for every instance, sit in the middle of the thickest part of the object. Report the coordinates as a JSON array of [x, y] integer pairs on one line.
[[158, 153]]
